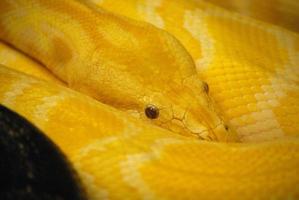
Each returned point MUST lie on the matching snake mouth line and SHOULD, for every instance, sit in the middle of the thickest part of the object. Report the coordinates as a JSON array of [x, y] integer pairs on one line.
[[208, 136]]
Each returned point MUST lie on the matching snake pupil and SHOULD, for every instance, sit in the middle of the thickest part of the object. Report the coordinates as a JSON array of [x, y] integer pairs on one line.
[[152, 112]]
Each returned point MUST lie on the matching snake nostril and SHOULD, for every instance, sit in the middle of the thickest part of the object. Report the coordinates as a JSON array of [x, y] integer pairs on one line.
[[206, 87], [226, 127]]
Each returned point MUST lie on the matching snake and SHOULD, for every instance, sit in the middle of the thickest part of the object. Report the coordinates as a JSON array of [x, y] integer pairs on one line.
[[158, 99], [279, 12]]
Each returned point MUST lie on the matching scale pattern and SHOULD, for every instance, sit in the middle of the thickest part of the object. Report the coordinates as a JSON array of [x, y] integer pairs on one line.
[[251, 68], [279, 12], [102, 62], [247, 63]]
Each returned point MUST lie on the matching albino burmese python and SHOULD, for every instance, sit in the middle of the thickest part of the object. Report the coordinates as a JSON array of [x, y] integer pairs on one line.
[[133, 68]]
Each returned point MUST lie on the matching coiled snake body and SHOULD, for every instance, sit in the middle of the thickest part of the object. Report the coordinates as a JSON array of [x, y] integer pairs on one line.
[[251, 69]]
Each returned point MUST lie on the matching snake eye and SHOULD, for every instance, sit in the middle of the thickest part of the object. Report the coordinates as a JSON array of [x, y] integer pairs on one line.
[[151, 112]]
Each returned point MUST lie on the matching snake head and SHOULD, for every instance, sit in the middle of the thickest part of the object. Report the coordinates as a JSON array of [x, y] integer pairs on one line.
[[185, 107]]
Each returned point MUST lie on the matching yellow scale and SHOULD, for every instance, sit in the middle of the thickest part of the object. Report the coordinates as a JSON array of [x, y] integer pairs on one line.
[[251, 68]]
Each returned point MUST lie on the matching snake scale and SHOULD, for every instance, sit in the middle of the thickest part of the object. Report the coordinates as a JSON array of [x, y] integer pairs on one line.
[[200, 73]]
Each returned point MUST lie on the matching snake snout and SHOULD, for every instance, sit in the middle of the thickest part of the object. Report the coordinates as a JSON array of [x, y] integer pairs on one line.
[[208, 125]]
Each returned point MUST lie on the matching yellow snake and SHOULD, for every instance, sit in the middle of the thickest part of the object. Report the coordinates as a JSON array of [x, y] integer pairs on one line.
[[251, 69]]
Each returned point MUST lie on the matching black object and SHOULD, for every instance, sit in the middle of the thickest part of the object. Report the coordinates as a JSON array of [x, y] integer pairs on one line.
[[152, 112], [31, 166]]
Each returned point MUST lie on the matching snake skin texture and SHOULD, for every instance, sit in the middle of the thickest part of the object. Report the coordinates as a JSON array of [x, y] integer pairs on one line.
[[87, 61], [248, 64], [279, 12], [214, 75]]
